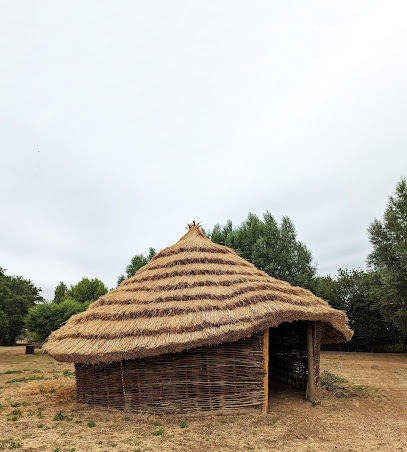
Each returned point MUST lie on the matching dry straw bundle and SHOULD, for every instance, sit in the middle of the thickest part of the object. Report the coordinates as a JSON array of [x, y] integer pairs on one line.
[[194, 293]]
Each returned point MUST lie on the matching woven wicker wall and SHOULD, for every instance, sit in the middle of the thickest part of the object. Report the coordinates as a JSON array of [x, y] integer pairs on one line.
[[226, 376]]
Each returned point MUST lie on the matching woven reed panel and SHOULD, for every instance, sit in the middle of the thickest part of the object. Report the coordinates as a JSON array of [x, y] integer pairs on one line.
[[226, 376]]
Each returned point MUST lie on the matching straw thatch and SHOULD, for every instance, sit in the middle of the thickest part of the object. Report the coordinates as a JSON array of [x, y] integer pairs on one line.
[[194, 293]]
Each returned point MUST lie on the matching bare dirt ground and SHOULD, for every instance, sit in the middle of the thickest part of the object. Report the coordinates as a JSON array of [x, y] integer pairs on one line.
[[39, 413]]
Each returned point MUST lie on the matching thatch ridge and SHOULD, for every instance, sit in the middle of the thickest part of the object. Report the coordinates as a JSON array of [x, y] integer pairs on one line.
[[197, 270], [191, 294]]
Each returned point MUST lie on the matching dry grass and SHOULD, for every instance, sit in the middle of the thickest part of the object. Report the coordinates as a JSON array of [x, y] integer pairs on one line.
[[46, 418]]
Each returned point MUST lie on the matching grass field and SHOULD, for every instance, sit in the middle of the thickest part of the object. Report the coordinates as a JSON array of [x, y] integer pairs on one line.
[[38, 412]]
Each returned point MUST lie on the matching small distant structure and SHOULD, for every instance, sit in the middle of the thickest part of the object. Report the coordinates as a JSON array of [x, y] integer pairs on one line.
[[197, 328]]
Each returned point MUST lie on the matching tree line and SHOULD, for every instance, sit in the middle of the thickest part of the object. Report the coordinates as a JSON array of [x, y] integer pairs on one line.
[[375, 300], [22, 308], [17, 296]]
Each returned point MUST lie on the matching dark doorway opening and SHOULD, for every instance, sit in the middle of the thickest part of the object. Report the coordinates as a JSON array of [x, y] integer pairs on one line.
[[288, 357]]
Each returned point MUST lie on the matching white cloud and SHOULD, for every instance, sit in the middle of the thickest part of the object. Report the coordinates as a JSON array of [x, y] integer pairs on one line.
[[122, 123]]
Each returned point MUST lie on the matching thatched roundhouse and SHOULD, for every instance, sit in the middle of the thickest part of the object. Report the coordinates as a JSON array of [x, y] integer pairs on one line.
[[197, 328]]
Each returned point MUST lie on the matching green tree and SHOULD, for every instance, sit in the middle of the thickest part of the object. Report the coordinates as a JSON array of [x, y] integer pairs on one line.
[[351, 292], [4, 327], [271, 247], [373, 332], [46, 317], [329, 290], [17, 295], [220, 233], [60, 292], [389, 258], [86, 290], [137, 261]]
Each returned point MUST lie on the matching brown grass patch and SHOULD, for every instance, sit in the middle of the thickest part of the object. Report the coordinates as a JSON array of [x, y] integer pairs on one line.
[[374, 419]]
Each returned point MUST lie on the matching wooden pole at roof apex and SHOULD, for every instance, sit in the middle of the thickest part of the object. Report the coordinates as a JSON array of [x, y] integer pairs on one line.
[[194, 224]]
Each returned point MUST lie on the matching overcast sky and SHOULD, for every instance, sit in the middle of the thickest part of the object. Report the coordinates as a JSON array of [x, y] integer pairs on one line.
[[122, 121]]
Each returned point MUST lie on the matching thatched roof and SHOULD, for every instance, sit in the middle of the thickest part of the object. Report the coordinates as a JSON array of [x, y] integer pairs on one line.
[[191, 294]]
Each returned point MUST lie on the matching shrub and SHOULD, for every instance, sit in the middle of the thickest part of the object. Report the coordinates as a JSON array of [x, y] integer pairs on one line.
[[47, 317], [330, 378], [60, 416], [17, 380], [68, 373]]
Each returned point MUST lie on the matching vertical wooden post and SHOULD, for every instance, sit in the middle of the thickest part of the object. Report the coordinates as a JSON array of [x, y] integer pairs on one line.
[[107, 386], [161, 382], [186, 378], [310, 359], [209, 380], [122, 375], [266, 370], [234, 370], [94, 385], [139, 389]]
